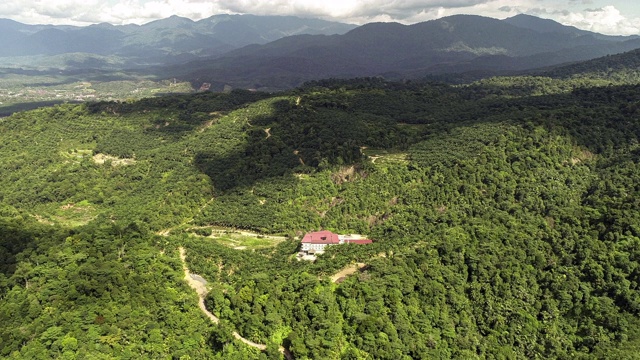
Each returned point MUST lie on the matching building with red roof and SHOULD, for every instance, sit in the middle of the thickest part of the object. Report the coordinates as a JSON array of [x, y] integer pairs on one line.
[[316, 242]]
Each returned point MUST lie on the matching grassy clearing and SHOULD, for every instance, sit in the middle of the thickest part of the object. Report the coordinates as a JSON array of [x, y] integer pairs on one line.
[[101, 159], [76, 154], [68, 215], [241, 242], [235, 239], [379, 156]]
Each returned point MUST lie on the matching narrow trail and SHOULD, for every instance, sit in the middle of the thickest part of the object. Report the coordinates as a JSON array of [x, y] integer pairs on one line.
[[348, 270], [352, 269], [201, 290]]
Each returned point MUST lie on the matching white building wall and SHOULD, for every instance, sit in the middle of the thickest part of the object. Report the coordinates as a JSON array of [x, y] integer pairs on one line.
[[317, 247]]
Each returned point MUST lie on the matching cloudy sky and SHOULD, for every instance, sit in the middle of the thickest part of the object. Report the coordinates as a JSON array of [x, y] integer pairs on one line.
[[605, 16]]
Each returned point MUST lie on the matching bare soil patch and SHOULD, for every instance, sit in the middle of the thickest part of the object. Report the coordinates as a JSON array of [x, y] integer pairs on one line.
[[100, 159], [348, 270]]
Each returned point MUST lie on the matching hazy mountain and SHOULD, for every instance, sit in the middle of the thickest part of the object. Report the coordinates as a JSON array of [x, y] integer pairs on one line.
[[542, 25], [54, 41], [484, 66], [549, 26], [164, 41], [453, 44], [11, 25], [241, 30], [276, 52]]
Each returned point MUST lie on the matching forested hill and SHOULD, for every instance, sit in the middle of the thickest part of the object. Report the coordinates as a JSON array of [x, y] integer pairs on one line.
[[611, 70], [612, 66], [505, 225]]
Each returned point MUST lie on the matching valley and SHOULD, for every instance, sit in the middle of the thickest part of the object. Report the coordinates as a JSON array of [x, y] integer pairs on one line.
[[23, 92]]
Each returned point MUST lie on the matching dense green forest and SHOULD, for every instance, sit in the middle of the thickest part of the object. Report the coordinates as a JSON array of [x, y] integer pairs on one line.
[[504, 215]]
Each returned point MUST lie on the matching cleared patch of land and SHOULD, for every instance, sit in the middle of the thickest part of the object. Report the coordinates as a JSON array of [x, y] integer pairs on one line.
[[115, 161], [237, 239], [348, 270], [71, 215], [380, 156]]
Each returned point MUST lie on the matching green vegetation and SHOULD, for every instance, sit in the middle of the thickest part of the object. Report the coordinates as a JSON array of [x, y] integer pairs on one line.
[[506, 223], [238, 240]]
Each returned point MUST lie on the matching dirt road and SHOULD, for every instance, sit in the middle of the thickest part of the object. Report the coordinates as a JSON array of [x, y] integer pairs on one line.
[[202, 291], [348, 270]]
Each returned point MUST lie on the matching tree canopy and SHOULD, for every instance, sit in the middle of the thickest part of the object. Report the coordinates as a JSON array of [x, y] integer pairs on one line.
[[504, 216]]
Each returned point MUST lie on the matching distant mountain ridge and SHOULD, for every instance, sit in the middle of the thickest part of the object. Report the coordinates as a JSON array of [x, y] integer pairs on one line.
[[452, 44], [549, 26], [279, 52], [171, 40]]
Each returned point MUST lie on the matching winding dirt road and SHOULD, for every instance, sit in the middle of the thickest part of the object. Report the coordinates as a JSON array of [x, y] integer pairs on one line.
[[201, 290]]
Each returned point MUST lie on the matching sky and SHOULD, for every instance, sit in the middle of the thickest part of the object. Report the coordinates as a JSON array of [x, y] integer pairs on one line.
[[615, 17]]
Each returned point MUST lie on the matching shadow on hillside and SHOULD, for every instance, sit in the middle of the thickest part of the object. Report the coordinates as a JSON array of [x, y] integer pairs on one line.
[[290, 139], [14, 239], [263, 155], [8, 110], [330, 128]]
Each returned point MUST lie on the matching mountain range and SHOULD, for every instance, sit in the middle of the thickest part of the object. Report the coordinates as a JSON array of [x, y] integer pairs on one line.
[[171, 40], [279, 52], [455, 44]]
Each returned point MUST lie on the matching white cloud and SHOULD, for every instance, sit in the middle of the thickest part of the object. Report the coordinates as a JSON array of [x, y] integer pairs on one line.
[[140, 11], [32, 11], [607, 19], [83, 12], [352, 11], [129, 11]]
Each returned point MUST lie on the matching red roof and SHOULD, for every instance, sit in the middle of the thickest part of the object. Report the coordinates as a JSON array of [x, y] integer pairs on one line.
[[358, 241], [321, 237]]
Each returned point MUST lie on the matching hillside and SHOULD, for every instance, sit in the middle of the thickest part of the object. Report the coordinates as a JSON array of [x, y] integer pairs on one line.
[[505, 225], [612, 67], [610, 70]]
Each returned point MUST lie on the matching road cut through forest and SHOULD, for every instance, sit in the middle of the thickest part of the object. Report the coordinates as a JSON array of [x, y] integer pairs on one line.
[[201, 290]]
